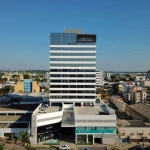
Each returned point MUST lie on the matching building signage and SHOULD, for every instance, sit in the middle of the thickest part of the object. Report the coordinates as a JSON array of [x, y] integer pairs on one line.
[[95, 131]]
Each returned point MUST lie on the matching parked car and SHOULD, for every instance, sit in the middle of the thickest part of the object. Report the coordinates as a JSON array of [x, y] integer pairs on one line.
[[64, 147], [85, 148]]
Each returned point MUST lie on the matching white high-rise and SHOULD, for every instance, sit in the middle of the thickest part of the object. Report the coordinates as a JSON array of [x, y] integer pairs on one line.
[[99, 78], [72, 67]]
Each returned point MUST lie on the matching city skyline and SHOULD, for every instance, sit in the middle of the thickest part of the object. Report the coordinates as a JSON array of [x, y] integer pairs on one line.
[[122, 30]]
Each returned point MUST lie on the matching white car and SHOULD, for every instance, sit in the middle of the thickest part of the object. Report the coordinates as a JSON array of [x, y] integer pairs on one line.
[[64, 147]]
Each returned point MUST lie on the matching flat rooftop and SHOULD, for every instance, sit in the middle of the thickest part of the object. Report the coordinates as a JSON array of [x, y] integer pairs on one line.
[[142, 109], [35, 94], [13, 109], [131, 123], [51, 109], [15, 118], [89, 110]]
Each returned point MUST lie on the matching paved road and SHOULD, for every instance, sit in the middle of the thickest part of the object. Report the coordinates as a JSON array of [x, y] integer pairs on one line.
[[94, 148]]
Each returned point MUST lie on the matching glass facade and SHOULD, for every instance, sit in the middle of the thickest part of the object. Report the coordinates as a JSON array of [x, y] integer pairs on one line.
[[72, 68]]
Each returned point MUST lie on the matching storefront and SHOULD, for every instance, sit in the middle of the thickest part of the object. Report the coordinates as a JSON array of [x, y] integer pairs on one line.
[[91, 136], [48, 132]]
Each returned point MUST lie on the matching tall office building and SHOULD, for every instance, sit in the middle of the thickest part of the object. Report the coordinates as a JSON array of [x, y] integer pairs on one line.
[[72, 67]]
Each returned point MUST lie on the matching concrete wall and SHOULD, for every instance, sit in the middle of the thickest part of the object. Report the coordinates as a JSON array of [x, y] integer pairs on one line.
[[35, 87], [19, 87], [134, 130], [11, 130], [89, 120], [49, 118]]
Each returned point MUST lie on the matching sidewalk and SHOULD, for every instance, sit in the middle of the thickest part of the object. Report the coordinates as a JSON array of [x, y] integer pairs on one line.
[[74, 146]]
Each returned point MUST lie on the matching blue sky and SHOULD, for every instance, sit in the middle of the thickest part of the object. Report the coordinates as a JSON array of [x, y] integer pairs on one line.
[[122, 28]]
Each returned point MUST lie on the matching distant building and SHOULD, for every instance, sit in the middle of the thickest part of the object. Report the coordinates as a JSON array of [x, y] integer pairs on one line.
[[47, 75], [27, 85], [107, 76], [140, 78], [145, 83], [21, 77], [135, 94]]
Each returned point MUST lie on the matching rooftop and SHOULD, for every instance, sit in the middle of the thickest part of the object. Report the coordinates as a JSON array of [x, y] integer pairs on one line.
[[35, 94], [141, 109], [15, 118], [131, 123], [90, 110], [52, 109], [13, 109]]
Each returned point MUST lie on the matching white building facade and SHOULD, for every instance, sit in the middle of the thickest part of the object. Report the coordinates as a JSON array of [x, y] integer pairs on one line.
[[72, 67], [99, 78]]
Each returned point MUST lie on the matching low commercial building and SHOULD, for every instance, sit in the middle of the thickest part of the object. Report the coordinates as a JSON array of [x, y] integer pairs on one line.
[[14, 119], [133, 131], [32, 112], [82, 124]]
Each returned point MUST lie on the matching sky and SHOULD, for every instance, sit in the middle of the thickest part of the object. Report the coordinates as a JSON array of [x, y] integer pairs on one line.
[[122, 28]]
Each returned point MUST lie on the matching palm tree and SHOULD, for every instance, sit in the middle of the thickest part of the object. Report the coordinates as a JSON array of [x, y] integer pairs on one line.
[[2, 146], [24, 138]]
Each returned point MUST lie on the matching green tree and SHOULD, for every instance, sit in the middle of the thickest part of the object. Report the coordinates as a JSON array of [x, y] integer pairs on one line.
[[8, 88], [14, 76], [128, 75], [2, 146], [24, 138], [26, 76], [113, 77], [116, 87], [44, 80], [37, 79], [131, 79]]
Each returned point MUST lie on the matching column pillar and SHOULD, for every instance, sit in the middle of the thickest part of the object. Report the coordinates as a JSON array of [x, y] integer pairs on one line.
[[93, 138], [75, 138], [86, 138], [81, 104]]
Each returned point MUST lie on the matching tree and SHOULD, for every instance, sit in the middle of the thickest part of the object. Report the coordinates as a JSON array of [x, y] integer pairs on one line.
[[8, 88], [24, 138], [128, 75], [44, 80], [113, 77], [131, 79], [14, 76], [116, 88], [37, 79], [2, 146], [26, 76]]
